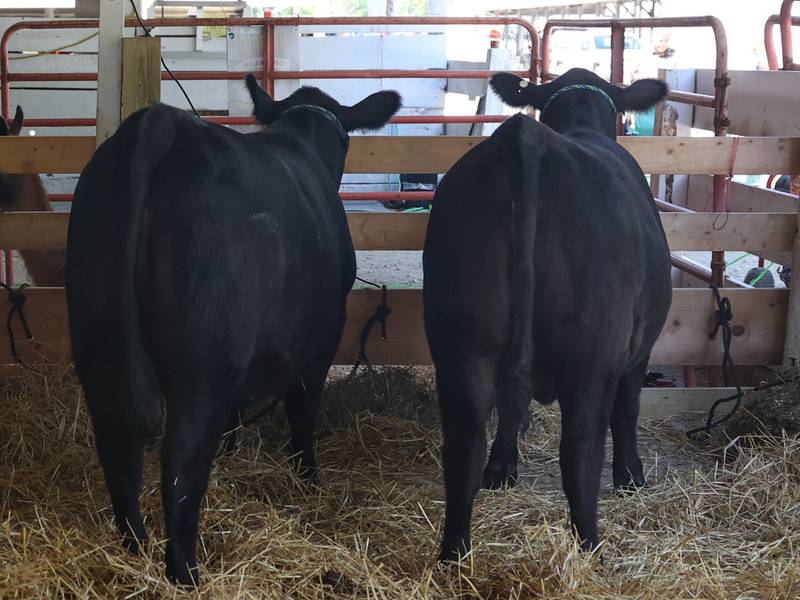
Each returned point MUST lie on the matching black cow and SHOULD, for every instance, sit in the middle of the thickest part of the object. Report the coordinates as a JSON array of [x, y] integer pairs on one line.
[[547, 275], [206, 267]]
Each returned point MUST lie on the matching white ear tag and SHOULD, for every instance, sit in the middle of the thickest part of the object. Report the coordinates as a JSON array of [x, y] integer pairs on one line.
[[523, 83]]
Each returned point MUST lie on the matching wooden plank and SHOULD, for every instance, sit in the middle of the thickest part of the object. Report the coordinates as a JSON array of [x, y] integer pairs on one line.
[[370, 231], [713, 156], [436, 154], [731, 231], [45, 154], [406, 154], [399, 231], [743, 197], [378, 154], [33, 230], [141, 73], [662, 403], [759, 326], [386, 231]]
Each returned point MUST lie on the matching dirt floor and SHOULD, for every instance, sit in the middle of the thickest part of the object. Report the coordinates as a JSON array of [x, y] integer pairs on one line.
[[709, 525]]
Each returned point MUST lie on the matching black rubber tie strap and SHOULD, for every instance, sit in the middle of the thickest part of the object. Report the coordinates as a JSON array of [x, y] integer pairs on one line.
[[17, 299], [381, 312], [722, 321]]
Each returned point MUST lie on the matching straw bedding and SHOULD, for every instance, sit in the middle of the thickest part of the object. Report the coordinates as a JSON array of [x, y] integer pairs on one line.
[[709, 525]]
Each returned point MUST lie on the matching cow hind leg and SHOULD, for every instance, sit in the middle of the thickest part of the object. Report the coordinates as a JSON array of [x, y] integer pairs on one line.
[[501, 470], [120, 448], [302, 406], [121, 454], [464, 403], [627, 469], [197, 414], [585, 412]]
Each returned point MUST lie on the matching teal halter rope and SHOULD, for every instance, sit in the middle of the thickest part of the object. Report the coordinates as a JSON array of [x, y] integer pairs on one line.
[[580, 86]]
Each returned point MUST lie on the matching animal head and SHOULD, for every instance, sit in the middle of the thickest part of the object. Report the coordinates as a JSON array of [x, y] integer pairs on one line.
[[579, 94], [373, 112], [8, 189]]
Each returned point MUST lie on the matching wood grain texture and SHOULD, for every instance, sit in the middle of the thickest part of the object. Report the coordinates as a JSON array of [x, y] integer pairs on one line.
[[759, 326], [432, 154], [141, 73], [406, 231]]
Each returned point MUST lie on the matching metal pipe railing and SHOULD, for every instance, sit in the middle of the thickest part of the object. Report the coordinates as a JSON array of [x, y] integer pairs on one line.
[[268, 74], [786, 36], [225, 120], [769, 42], [721, 83]]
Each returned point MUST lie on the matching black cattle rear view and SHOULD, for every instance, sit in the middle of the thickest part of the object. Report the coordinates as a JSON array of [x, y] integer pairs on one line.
[[207, 267], [547, 276]]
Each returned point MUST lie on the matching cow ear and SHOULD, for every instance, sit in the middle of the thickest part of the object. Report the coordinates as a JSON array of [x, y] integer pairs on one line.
[[16, 125], [518, 92], [373, 112], [641, 95], [265, 109]]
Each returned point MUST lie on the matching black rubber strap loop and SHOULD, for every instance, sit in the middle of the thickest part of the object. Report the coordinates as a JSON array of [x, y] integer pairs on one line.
[[722, 321], [17, 300], [381, 313]]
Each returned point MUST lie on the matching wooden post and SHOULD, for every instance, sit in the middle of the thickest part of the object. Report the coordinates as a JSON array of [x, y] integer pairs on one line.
[[109, 67], [141, 73], [791, 347]]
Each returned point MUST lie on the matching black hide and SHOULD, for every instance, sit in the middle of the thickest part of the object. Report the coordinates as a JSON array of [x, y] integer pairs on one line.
[[547, 275]]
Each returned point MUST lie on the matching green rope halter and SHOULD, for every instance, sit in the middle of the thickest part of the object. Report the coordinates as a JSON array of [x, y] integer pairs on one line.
[[580, 86]]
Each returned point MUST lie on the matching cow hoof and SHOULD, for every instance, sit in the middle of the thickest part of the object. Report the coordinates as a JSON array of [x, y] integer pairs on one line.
[[307, 476], [183, 575], [496, 477], [452, 554], [629, 485], [310, 479], [135, 545]]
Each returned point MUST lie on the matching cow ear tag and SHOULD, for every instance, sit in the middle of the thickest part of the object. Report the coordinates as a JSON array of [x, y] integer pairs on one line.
[[523, 83]]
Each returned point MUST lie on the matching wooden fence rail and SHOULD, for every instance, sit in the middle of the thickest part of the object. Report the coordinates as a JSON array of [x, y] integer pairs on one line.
[[424, 154], [759, 326], [406, 231]]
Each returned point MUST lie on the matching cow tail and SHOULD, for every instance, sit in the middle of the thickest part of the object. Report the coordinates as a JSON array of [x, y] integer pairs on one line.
[[521, 158], [152, 139]]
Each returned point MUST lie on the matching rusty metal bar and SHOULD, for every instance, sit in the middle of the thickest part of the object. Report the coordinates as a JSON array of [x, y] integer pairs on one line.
[[786, 36], [669, 207], [268, 74], [270, 66], [226, 120], [769, 42], [310, 74], [692, 98], [618, 64]]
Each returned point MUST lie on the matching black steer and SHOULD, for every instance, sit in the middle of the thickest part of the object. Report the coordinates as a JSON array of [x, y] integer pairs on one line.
[[206, 267], [547, 275]]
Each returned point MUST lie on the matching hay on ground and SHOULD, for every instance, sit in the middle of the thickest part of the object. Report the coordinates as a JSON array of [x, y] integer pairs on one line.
[[702, 529], [772, 410]]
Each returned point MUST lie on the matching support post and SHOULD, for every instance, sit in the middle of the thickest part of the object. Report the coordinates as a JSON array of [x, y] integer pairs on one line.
[[141, 73], [791, 347], [109, 68], [617, 62]]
